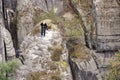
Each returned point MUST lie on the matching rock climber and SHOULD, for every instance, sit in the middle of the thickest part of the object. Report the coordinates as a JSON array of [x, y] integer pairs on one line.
[[43, 29], [20, 56]]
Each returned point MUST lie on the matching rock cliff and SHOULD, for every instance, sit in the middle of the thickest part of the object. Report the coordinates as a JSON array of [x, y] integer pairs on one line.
[[46, 58], [79, 44]]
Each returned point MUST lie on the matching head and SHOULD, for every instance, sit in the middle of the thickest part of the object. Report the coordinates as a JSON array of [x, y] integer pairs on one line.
[[41, 24], [45, 24]]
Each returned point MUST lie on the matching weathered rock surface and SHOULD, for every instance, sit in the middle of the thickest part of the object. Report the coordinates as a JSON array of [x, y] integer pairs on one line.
[[1, 40], [8, 43], [36, 50], [26, 9], [24, 18], [108, 24], [5, 39]]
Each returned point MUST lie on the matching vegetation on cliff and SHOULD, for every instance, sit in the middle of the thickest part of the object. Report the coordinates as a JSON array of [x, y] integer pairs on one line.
[[114, 72], [7, 69]]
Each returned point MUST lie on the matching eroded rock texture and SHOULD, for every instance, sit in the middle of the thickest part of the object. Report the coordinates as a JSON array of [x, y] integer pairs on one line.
[[108, 24], [26, 11], [45, 58], [5, 38]]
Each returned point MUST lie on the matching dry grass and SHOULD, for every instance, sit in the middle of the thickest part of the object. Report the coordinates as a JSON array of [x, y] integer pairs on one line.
[[55, 77], [56, 53], [114, 72], [79, 52], [36, 75], [35, 31], [77, 49], [43, 76]]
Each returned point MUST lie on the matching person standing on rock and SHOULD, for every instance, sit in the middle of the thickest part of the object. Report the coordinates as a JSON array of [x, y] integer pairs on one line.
[[43, 29]]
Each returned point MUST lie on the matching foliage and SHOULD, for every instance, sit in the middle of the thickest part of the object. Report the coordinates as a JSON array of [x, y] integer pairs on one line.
[[7, 67], [56, 54], [64, 65], [36, 75], [77, 49], [114, 72], [43, 75], [68, 27], [35, 31], [41, 15], [55, 78], [72, 27]]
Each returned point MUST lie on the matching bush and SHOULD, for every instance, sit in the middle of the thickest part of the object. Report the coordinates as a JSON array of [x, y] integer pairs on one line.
[[41, 15], [77, 49], [55, 57], [56, 54], [35, 31], [114, 72], [7, 67], [55, 78], [36, 75]]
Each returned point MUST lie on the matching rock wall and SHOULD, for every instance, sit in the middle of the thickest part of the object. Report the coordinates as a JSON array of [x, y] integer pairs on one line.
[[47, 5], [24, 18], [36, 49], [108, 24], [86, 70], [84, 8], [83, 70], [5, 38], [1, 38], [25, 15]]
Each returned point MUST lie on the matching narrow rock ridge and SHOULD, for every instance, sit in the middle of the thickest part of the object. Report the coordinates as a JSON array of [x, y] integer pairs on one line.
[[38, 57]]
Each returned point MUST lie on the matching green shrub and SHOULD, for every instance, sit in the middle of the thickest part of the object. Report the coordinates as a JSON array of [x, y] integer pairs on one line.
[[7, 67], [114, 72]]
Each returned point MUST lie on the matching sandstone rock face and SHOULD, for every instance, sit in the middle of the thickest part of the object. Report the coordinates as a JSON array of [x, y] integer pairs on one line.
[[1, 40], [38, 50], [8, 43], [24, 18], [5, 37], [38, 58], [25, 9], [10, 4], [108, 24], [85, 10], [47, 5]]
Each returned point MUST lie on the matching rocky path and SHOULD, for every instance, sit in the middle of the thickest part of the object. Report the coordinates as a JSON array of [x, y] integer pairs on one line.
[[36, 50]]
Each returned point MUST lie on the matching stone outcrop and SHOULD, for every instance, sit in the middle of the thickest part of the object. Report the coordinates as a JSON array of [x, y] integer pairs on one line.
[[24, 18], [38, 52], [47, 5], [1, 39], [26, 11], [8, 43], [5, 39], [108, 24]]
